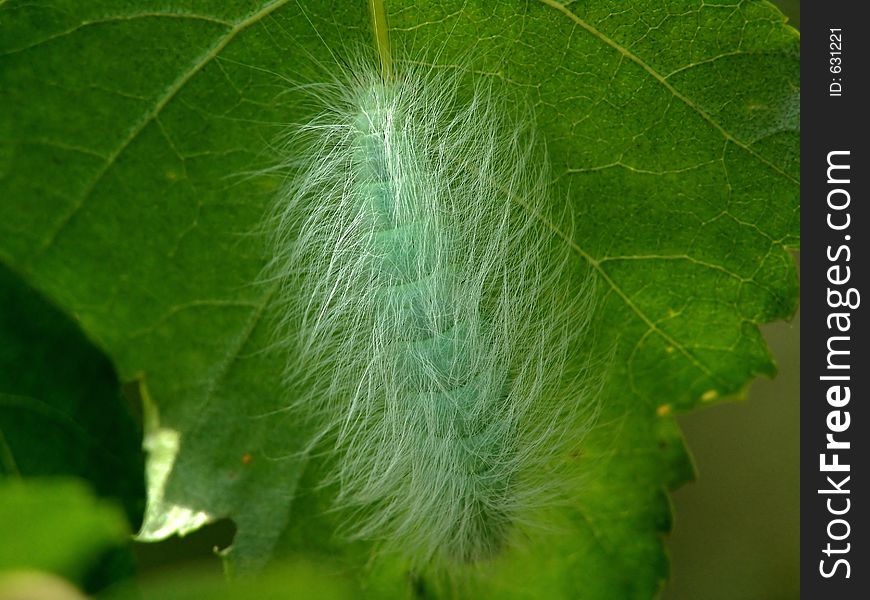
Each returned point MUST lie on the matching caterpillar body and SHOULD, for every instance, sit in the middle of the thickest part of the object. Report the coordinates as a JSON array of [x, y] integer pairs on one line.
[[428, 308]]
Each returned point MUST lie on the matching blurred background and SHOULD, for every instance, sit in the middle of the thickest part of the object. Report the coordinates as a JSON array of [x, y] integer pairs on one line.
[[737, 528]]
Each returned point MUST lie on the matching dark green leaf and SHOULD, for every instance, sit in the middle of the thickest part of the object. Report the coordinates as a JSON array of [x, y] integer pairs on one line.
[[60, 407], [58, 526]]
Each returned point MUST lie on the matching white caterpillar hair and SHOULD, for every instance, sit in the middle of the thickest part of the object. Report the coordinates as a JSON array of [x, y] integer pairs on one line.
[[429, 309]]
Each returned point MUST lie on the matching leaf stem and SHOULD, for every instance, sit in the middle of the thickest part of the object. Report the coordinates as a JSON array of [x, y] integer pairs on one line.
[[382, 37]]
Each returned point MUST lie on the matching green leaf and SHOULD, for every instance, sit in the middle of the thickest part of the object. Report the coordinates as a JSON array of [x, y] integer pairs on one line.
[[61, 414], [281, 581], [56, 525], [60, 408], [672, 129]]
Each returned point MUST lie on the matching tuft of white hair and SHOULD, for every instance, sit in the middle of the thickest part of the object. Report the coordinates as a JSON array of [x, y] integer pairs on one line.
[[428, 307]]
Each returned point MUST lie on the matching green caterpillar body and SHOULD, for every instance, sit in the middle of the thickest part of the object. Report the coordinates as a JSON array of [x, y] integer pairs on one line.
[[426, 304], [446, 390]]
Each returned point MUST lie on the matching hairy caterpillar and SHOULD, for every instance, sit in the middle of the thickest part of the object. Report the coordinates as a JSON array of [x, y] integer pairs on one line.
[[429, 307]]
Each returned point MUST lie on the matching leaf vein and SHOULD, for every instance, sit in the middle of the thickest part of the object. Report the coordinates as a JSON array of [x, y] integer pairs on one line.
[[664, 82], [114, 19], [152, 113]]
